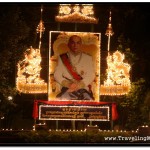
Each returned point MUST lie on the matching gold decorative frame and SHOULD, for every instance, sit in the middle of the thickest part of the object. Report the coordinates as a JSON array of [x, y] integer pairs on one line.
[[58, 45]]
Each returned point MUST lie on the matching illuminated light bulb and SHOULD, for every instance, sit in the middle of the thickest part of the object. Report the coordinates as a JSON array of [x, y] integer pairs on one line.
[[10, 98]]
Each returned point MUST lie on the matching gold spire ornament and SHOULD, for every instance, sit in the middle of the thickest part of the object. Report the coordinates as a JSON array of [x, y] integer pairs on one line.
[[40, 28], [109, 32], [118, 76], [28, 74]]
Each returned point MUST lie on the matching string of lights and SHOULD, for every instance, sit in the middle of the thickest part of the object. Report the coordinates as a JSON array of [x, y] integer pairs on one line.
[[118, 77], [76, 13]]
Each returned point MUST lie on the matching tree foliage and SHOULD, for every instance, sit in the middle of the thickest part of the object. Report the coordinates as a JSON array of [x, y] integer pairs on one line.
[[133, 110], [12, 35]]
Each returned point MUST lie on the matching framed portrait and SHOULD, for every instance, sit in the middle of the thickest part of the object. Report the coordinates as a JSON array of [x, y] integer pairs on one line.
[[89, 69]]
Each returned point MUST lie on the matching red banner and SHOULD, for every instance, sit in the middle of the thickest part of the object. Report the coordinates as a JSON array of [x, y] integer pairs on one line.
[[74, 103]]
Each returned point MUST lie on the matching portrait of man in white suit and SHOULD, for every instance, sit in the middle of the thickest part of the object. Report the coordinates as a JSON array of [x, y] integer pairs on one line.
[[75, 71]]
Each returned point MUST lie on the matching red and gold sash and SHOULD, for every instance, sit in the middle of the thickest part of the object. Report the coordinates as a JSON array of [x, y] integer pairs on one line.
[[65, 60]]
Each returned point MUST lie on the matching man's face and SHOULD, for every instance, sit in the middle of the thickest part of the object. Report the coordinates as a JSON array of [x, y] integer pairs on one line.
[[75, 44]]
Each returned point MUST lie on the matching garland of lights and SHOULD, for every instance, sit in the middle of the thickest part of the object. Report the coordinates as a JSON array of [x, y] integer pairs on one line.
[[76, 13], [28, 75], [118, 77]]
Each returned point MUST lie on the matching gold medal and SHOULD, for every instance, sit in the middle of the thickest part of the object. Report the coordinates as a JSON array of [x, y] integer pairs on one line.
[[82, 72], [74, 68]]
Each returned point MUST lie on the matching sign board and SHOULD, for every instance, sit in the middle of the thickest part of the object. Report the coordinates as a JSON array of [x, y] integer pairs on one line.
[[91, 113]]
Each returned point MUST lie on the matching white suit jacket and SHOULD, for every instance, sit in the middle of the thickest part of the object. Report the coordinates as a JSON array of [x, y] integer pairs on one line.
[[85, 68]]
